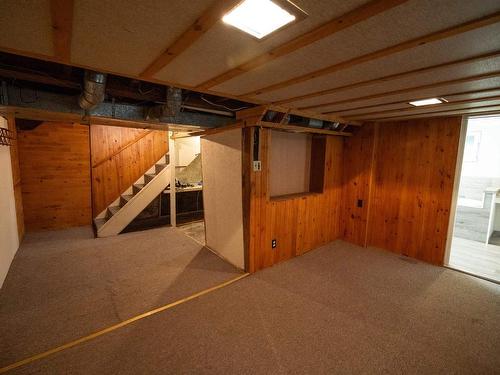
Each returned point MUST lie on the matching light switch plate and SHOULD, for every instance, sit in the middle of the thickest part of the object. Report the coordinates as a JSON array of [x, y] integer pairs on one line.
[[256, 166]]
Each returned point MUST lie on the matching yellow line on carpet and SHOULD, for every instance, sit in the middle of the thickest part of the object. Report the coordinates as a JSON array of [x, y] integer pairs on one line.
[[117, 326]]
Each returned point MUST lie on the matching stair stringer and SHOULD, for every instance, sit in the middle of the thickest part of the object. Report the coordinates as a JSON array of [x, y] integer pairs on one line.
[[116, 223]]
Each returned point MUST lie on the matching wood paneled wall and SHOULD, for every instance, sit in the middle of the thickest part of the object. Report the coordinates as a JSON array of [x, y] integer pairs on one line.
[[54, 162], [404, 172], [119, 157], [16, 178], [298, 223]]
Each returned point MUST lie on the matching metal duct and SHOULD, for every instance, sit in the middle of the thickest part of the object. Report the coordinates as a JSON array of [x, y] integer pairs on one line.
[[172, 107], [94, 86]]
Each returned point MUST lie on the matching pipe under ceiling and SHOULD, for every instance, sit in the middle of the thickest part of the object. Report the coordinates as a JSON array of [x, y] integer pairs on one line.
[[94, 87]]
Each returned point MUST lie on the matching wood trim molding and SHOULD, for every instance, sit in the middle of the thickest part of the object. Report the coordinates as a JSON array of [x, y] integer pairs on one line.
[[429, 38], [390, 77], [366, 116], [121, 149], [62, 27], [351, 18], [207, 20], [415, 88]]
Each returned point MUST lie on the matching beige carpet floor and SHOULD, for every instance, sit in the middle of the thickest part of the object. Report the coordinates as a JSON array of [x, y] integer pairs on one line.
[[66, 284], [340, 309]]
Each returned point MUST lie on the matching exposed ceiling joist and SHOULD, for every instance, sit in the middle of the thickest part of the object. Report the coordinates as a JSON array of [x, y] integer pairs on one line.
[[347, 20], [62, 26], [346, 113], [410, 89], [208, 19], [479, 111], [426, 109], [439, 35], [390, 77]]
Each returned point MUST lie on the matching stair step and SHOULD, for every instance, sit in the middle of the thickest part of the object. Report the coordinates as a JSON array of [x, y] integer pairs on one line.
[[137, 187], [148, 177], [99, 223], [124, 199], [113, 210], [159, 167]]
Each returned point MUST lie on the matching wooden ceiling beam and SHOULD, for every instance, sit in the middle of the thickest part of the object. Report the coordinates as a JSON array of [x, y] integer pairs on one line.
[[61, 12], [477, 77], [430, 108], [207, 20], [391, 77], [429, 38], [345, 113], [349, 19], [483, 110]]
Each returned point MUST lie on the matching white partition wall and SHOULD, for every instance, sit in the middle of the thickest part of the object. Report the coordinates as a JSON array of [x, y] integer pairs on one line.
[[222, 195]]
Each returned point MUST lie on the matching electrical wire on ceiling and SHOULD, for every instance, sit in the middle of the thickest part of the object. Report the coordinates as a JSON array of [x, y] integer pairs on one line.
[[221, 105]]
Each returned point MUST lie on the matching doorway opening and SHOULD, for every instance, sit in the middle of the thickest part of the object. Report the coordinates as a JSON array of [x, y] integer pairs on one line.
[[475, 245]]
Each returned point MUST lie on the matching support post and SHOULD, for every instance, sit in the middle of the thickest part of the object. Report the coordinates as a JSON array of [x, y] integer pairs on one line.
[[173, 163]]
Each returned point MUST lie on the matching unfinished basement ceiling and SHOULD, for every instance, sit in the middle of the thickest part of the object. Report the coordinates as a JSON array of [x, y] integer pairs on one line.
[[125, 37]]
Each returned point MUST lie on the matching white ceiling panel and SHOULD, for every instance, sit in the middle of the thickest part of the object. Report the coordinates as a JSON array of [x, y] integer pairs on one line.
[[462, 46], [403, 105], [492, 83], [125, 36], [26, 26], [435, 108], [384, 30], [417, 80], [223, 48]]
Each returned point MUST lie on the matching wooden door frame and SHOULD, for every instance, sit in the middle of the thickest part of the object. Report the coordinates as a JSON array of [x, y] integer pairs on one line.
[[456, 186]]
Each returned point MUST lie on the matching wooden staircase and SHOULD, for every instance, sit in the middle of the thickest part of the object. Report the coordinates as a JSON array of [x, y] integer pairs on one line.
[[134, 200]]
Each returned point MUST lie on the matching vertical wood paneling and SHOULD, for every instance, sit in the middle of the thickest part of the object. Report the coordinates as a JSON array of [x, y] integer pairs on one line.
[[358, 158], [127, 154], [404, 173], [16, 178], [54, 162], [298, 224]]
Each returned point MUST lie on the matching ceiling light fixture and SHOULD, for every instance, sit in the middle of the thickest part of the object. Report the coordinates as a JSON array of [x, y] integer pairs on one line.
[[260, 17], [419, 103]]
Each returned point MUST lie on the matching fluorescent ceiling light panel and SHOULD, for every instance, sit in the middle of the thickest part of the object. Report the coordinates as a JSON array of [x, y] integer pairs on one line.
[[258, 17], [419, 103]]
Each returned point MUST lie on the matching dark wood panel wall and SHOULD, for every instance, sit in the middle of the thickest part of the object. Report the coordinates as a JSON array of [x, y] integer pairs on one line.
[[403, 173], [119, 157], [54, 161], [298, 223]]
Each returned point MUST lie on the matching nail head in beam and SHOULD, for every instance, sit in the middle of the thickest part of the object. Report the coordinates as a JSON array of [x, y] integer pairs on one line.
[[439, 35]]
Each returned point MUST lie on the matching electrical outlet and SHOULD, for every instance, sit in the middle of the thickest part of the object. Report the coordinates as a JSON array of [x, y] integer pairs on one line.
[[273, 244], [256, 166]]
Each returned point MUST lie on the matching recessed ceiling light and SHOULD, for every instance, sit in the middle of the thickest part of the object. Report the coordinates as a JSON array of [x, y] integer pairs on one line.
[[418, 103], [258, 17]]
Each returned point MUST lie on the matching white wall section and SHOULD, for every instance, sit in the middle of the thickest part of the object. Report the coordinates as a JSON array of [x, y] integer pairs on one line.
[[9, 239], [222, 195]]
